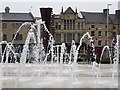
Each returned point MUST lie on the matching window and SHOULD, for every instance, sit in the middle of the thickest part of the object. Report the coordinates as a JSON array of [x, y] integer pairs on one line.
[[114, 27], [58, 38], [82, 25], [13, 25], [64, 24], [57, 26], [92, 26], [99, 42], [65, 37], [68, 24], [114, 34], [73, 24], [106, 33], [105, 26], [68, 37], [99, 33], [79, 36], [4, 37], [4, 25], [99, 26], [73, 37], [79, 25], [92, 33], [18, 36], [105, 42], [16, 25]]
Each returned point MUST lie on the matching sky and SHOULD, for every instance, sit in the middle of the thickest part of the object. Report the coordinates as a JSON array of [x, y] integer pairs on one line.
[[81, 5]]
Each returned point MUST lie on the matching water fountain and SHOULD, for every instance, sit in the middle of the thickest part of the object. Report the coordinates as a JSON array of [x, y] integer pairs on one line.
[[80, 44], [72, 51], [111, 68], [37, 69], [8, 51]]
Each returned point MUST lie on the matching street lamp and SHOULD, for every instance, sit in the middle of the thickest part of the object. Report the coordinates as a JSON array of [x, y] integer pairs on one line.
[[0, 37], [108, 23]]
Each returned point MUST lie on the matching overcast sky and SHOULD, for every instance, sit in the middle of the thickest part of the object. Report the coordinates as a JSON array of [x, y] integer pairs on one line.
[[81, 5]]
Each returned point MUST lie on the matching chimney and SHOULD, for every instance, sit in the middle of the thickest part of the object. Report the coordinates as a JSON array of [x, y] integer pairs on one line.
[[7, 9], [76, 10], [46, 16], [105, 11], [62, 10], [117, 12]]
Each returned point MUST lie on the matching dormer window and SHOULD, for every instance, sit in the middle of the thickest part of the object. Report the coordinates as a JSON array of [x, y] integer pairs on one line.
[[92, 26]]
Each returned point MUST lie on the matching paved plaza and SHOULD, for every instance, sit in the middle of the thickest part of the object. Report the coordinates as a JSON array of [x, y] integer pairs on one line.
[[58, 76]]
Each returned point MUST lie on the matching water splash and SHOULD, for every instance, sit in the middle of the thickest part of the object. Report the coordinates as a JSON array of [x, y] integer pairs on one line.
[[115, 60], [7, 51], [30, 36], [72, 51], [43, 69], [63, 49], [19, 29], [80, 44], [103, 50]]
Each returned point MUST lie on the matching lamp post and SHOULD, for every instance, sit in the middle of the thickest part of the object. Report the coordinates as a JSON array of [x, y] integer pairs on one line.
[[108, 23], [0, 38]]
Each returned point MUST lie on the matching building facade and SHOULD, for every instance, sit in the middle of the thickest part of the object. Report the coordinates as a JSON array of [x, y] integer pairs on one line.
[[102, 33], [10, 24], [96, 25], [68, 26]]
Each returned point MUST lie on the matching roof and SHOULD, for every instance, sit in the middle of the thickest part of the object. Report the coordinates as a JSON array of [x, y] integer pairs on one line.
[[56, 16], [115, 19], [17, 17], [69, 10], [92, 17], [37, 18]]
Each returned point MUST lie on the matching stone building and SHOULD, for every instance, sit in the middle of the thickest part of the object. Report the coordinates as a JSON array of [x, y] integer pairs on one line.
[[96, 25], [10, 24], [68, 26]]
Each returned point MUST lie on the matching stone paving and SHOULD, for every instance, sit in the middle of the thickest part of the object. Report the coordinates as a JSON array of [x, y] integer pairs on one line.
[[57, 76]]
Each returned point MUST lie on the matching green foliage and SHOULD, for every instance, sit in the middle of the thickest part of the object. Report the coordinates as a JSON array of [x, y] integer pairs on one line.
[[105, 61], [97, 60]]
